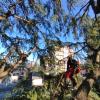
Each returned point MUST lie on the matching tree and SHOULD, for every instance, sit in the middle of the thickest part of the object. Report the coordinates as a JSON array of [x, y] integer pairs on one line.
[[28, 25], [32, 22]]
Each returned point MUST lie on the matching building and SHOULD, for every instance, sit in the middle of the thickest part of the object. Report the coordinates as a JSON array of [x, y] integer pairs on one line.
[[61, 55], [59, 59]]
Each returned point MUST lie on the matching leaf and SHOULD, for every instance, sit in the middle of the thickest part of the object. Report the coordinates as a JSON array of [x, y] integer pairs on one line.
[[55, 17], [74, 22], [40, 8]]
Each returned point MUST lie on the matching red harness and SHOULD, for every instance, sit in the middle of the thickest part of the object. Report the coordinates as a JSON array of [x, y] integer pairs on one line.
[[71, 72]]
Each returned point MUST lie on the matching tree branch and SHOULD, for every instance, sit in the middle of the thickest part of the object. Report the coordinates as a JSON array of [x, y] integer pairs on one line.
[[3, 73], [82, 9]]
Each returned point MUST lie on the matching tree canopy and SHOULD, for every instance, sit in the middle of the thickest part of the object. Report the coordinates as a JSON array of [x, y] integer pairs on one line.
[[28, 26]]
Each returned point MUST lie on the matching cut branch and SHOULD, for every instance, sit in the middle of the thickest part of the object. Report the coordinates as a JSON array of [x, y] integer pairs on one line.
[[2, 17]]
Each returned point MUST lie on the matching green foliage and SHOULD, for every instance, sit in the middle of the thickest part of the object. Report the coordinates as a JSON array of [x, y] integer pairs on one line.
[[32, 95], [91, 31], [93, 96], [34, 23]]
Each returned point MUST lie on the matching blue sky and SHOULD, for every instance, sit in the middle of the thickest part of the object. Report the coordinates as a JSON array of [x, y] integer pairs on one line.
[[69, 38], [1, 48]]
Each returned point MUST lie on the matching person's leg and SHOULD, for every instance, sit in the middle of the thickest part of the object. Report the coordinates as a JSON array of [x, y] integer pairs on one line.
[[68, 79], [73, 82]]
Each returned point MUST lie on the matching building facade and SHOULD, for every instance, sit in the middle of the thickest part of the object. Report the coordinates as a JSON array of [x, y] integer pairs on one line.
[[59, 62]]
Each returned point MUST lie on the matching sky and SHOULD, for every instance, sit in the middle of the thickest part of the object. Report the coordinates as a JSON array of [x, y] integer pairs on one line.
[[70, 37], [1, 48]]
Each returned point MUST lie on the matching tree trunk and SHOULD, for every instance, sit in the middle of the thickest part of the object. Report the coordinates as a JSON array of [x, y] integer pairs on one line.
[[84, 89]]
